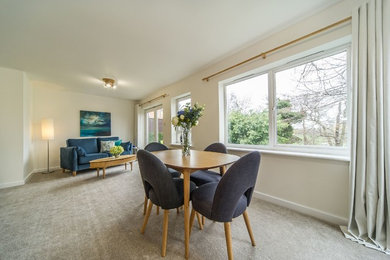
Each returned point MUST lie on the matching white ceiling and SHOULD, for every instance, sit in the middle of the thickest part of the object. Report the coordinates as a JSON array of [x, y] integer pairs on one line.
[[144, 44]]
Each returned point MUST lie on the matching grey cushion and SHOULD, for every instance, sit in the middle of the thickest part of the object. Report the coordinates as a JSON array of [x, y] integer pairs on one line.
[[174, 173], [91, 156], [202, 177]]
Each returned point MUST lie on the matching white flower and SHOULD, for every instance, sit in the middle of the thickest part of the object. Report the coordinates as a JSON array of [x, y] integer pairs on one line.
[[196, 123], [181, 117], [175, 120]]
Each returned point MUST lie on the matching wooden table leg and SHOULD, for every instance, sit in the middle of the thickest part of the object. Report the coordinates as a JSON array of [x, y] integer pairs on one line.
[[104, 173], [97, 172], [131, 166], [125, 166], [186, 174], [222, 170]]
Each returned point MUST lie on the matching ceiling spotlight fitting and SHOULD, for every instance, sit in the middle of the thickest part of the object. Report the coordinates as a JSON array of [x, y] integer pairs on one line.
[[109, 83]]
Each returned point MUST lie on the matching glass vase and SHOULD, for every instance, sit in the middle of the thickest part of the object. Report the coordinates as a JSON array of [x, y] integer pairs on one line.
[[185, 141]]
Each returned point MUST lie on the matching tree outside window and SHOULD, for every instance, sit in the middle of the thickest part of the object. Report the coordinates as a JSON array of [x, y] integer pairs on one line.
[[310, 102]]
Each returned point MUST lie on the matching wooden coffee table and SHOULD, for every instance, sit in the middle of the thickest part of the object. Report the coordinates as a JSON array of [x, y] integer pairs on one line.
[[103, 163]]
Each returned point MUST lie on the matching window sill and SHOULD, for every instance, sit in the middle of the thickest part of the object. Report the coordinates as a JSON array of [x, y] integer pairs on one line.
[[343, 158]]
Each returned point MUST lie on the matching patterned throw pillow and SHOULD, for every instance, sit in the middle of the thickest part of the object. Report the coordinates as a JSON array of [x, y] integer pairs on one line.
[[118, 142], [105, 146]]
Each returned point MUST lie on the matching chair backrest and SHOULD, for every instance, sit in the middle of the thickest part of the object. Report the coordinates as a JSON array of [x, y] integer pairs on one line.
[[216, 147], [239, 180], [154, 146], [157, 180]]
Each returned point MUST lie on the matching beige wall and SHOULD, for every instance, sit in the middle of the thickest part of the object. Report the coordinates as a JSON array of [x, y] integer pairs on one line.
[[23, 104], [52, 101], [317, 185], [11, 118], [28, 164]]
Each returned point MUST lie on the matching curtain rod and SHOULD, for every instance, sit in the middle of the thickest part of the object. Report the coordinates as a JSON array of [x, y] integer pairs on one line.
[[154, 99], [264, 54]]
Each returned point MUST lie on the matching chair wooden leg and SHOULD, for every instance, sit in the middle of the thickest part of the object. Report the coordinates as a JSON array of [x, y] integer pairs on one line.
[[228, 235], [177, 210], [63, 170], [203, 220], [199, 221], [74, 173], [192, 217], [145, 204], [158, 210], [146, 218], [165, 233], [248, 226]]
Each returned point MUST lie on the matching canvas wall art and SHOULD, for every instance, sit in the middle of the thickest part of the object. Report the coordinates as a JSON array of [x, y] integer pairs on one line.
[[95, 123]]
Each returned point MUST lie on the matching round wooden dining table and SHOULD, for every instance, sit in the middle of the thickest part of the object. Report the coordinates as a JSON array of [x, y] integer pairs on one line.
[[198, 160]]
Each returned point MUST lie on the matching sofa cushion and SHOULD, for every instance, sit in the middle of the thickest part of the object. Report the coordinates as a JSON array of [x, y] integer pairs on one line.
[[118, 142], [99, 139], [105, 146], [127, 146], [80, 151], [89, 144], [91, 156]]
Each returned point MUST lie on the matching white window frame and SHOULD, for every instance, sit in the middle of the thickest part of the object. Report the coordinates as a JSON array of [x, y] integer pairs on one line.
[[174, 108], [271, 70], [146, 111]]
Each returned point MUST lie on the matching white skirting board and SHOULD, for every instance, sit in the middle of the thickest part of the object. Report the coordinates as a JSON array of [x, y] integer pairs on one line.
[[322, 215], [11, 184], [22, 182]]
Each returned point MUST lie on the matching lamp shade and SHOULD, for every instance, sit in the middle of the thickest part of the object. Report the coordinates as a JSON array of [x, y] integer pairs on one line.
[[47, 126]]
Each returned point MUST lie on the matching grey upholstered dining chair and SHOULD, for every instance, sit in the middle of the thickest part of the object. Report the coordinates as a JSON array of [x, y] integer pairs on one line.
[[161, 189], [227, 199], [205, 176], [153, 147]]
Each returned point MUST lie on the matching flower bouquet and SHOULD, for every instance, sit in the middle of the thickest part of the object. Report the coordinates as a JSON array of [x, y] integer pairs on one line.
[[185, 120], [116, 150]]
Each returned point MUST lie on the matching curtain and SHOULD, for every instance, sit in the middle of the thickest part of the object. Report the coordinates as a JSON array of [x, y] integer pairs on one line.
[[370, 150]]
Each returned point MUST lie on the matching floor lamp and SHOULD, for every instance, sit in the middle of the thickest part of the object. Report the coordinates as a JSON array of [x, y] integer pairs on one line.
[[47, 126]]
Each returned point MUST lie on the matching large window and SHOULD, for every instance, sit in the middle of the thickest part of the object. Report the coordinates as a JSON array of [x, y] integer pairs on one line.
[[179, 103], [154, 125], [298, 106]]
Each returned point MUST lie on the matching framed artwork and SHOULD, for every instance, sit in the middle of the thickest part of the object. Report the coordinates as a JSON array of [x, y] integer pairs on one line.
[[95, 123]]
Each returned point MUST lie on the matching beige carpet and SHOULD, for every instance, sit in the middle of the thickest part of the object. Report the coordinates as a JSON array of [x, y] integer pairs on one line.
[[57, 216]]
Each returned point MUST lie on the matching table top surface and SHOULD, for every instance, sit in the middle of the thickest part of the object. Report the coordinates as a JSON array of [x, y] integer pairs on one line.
[[198, 160], [112, 158]]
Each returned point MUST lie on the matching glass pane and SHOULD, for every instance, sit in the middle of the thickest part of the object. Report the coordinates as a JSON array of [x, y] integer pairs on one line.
[[247, 111], [182, 103], [160, 116], [150, 127], [312, 102]]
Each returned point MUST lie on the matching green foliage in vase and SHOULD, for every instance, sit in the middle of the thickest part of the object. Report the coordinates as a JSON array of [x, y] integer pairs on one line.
[[188, 117], [116, 150]]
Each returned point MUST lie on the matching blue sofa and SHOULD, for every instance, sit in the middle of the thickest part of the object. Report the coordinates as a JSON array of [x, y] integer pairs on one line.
[[79, 152]]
